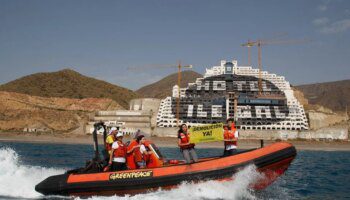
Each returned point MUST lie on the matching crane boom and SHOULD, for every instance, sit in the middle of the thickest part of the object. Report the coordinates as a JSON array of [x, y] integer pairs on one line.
[[179, 66], [259, 43]]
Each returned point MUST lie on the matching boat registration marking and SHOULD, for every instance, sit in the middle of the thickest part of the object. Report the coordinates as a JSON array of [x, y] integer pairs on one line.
[[130, 175]]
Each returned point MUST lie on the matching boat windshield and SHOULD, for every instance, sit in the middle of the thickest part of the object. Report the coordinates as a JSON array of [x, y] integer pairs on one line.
[[156, 151]]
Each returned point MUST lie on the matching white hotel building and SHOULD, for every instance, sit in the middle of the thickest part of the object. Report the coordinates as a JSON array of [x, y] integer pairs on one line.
[[231, 91]]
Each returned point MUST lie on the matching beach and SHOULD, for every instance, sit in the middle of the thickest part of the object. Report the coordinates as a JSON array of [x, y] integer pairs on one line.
[[169, 141]]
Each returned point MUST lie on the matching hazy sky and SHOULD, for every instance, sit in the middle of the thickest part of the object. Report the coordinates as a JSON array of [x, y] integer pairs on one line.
[[102, 39]]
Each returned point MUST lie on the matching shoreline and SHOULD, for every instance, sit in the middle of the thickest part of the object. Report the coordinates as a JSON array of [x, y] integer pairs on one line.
[[169, 141]]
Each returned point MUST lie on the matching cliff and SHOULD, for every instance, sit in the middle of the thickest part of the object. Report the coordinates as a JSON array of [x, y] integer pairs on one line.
[[20, 112]]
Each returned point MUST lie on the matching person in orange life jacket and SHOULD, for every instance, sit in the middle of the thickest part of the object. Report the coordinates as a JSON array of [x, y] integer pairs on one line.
[[230, 138], [141, 152], [110, 139], [134, 140], [117, 158], [186, 147]]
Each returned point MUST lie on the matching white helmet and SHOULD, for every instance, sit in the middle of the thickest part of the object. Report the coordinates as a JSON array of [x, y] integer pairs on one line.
[[119, 134]]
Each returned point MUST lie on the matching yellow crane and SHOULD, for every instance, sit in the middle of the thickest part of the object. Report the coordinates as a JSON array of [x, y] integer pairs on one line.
[[179, 66], [249, 44], [259, 43]]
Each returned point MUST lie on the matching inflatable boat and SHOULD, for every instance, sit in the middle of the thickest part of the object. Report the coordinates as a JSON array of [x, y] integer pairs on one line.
[[271, 161]]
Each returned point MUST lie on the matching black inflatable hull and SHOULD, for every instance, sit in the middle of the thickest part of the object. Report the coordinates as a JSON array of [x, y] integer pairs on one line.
[[272, 162]]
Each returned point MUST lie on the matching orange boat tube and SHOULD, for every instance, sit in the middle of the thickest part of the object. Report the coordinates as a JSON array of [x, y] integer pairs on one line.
[[272, 161]]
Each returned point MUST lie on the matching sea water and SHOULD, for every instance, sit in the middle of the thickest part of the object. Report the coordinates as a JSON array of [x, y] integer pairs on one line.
[[312, 175]]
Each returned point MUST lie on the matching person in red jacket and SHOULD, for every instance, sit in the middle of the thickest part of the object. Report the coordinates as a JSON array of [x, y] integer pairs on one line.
[[230, 138], [186, 147], [117, 159], [141, 153]]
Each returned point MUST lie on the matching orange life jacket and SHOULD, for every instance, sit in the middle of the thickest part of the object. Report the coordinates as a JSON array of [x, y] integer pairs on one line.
[[120, 151], [138, 157], [185, 138], [229, 135], [130, 156]]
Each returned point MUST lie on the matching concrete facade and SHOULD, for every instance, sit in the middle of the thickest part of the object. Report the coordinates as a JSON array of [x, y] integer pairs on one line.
[[328, 133], [141, 116], [321, 134], [150, 105], [165, 132]]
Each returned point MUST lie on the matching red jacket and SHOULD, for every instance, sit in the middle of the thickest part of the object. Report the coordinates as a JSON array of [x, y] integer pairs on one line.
[[185, 138], [120, 151], [138, 157], [229, 135]]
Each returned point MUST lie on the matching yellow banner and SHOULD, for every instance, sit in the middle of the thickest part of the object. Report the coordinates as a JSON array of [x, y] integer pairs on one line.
[[206, 133]]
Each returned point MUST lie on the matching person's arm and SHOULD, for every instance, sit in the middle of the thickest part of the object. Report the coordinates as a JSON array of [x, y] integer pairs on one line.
[[114, 147], [234, 139], [182, 144], [111, 157], [232, 126], [236, 134], [179, 142], [224, 134], [132, 149], [148, 152], [230, 140], [144, 150]]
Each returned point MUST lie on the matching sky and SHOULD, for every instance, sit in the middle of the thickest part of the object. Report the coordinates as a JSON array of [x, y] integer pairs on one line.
[[135, 43]]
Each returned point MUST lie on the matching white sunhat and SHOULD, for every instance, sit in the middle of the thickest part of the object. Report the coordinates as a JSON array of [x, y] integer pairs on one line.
[[112, 129], [119, 134]]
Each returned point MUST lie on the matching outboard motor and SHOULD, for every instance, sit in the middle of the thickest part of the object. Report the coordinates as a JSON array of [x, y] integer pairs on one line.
[[96, 164]]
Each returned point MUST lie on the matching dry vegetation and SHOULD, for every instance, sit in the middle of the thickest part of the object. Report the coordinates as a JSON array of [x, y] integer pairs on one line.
[[20, 111], [69, 84]]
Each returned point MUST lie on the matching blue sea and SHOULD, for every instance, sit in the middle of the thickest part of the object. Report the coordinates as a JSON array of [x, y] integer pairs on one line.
[[312, 175]]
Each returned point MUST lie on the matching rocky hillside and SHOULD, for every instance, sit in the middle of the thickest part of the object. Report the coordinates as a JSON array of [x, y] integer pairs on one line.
[[20, 111], [333, 95], [320, 113], [164, 87], [69, 84]]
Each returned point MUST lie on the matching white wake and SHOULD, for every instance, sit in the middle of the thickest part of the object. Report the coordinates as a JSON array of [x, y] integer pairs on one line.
[[18, 180], [228, 190]]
